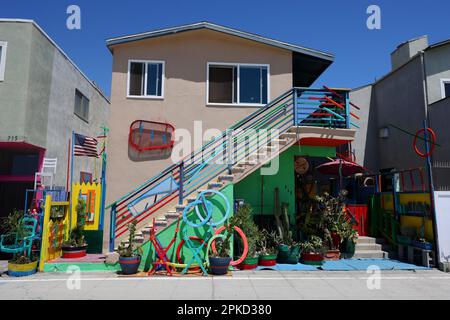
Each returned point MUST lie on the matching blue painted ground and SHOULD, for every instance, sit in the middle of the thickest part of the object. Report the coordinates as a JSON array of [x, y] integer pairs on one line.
[[347, 265]]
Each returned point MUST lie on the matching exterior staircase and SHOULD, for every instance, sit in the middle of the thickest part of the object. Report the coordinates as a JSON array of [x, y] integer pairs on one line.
[[368, 247], [299, 114]]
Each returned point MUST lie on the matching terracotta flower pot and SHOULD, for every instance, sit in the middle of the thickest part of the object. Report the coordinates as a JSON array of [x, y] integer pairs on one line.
[[332, 255]]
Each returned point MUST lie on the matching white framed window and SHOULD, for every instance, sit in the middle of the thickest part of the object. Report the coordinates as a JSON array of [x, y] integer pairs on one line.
[[240, 84], [146, 79], [445, 88], [81, 105], [3, 47]]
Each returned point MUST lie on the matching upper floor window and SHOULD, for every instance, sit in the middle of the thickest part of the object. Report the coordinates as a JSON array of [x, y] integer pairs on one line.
[[445, 88], [81, 106], [145, 79], [239, 84], [3, 47]]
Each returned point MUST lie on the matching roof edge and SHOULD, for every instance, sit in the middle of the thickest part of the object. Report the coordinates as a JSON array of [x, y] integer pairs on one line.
[[215, 27]]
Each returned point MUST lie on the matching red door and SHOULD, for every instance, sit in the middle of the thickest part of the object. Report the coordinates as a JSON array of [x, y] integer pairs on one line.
[[359, 213]]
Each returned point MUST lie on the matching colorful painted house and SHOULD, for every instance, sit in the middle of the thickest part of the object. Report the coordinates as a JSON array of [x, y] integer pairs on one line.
[[44, 96], [265, 129]]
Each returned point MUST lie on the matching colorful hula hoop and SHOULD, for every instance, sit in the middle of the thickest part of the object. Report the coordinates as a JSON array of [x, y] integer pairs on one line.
[[178, 253], [244, 242], [204, 200], [433, 144]]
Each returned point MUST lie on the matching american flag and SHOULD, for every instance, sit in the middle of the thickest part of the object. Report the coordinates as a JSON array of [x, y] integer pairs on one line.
[[84, 146]]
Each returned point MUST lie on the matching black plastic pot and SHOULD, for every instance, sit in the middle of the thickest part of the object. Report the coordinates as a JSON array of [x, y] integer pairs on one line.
[[219, 265], [347, 248]]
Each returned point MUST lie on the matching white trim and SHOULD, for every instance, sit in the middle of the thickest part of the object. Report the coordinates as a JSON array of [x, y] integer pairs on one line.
[[163, 75], [443, 82], [4, 46], [238, 65]]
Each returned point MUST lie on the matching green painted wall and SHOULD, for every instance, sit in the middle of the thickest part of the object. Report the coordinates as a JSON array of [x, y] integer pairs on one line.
[[166, 235], [250, 190]]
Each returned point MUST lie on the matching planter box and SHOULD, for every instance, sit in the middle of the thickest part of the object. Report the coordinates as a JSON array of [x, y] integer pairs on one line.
[[249, 264], [423, 245], [130, 265], [74, 252], [268, 260], [22, 270], [312, 258]]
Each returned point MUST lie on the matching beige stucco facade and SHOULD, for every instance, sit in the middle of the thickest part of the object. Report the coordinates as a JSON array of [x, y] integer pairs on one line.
[[186, 56]]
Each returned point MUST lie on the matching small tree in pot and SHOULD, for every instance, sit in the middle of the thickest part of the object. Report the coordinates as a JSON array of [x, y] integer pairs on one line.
[[244, 219], [349, 238], [130, 254], [75, 246], [267, 248]]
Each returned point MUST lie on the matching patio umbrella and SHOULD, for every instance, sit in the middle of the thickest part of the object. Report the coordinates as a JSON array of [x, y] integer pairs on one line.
[[347, 168]]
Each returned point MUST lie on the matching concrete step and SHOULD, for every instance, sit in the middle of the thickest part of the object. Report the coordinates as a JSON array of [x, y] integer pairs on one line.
[[215, 185], [280, 142], [172, 215], [288, 135], [237, 169], [366, 240], [248, 162], [367, 254], [369, 246], [226, 178]]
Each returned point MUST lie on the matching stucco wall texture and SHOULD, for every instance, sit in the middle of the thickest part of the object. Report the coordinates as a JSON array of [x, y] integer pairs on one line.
[[186, 56]]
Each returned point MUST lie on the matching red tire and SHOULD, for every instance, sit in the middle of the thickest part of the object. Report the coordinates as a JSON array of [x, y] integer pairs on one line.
[[433, 144], [244, 242]]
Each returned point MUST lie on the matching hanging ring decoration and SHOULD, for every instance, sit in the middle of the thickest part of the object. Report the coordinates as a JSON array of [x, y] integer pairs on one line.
[[433, 144], [244, 242]]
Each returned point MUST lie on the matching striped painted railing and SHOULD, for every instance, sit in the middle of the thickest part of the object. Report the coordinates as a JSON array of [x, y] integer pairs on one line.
[[297, 107]]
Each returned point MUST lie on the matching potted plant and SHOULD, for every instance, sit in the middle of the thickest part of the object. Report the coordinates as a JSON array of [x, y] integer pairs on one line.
[[349, 238], [288, 249], [18, 240], [267, 249], [312, 251], [219, 261], [75, 246], [130, 254], [244, 219], [332, 210]]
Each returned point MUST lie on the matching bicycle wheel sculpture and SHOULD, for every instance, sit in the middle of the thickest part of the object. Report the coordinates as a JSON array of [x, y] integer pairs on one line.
[[206, 220]]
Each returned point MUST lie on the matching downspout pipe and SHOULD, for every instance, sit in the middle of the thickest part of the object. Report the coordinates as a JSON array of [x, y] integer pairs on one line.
[[429, 162]]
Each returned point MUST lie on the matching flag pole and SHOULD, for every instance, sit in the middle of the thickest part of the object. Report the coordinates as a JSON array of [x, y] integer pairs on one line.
[[71, 181], [103, 178]]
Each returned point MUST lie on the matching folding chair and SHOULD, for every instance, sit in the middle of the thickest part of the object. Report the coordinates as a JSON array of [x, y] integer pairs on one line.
[[48, 170]]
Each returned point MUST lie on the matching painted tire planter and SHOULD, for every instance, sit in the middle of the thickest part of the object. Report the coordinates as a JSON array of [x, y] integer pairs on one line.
[[332, 255], [218, 265], [22, 270], [130, 265], [267, 260], [423, 245], [288, 255], [74, 252], [312, 258], [249, 264]]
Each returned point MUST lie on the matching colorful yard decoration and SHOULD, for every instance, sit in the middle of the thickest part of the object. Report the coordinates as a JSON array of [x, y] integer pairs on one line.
[[91, 194]]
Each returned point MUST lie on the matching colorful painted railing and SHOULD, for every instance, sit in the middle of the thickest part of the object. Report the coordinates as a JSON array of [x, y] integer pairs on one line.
[[296, 107]]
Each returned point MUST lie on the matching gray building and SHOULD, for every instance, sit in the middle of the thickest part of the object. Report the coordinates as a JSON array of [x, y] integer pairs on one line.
[[43, 97], [417, 88]]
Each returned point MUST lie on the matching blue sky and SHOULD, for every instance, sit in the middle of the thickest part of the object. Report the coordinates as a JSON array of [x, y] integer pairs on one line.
[[334, 26]]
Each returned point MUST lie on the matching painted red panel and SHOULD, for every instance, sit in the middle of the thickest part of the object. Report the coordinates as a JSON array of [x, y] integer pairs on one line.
[[359, 212]]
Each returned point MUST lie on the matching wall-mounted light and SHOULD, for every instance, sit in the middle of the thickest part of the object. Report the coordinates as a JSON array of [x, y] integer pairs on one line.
[[384, 133]]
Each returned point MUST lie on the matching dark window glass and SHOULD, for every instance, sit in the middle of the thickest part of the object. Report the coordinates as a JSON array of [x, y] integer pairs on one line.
[[252, 83], [222, 87], [447, 89], [154, 79], [81, 105], [136, 78]]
